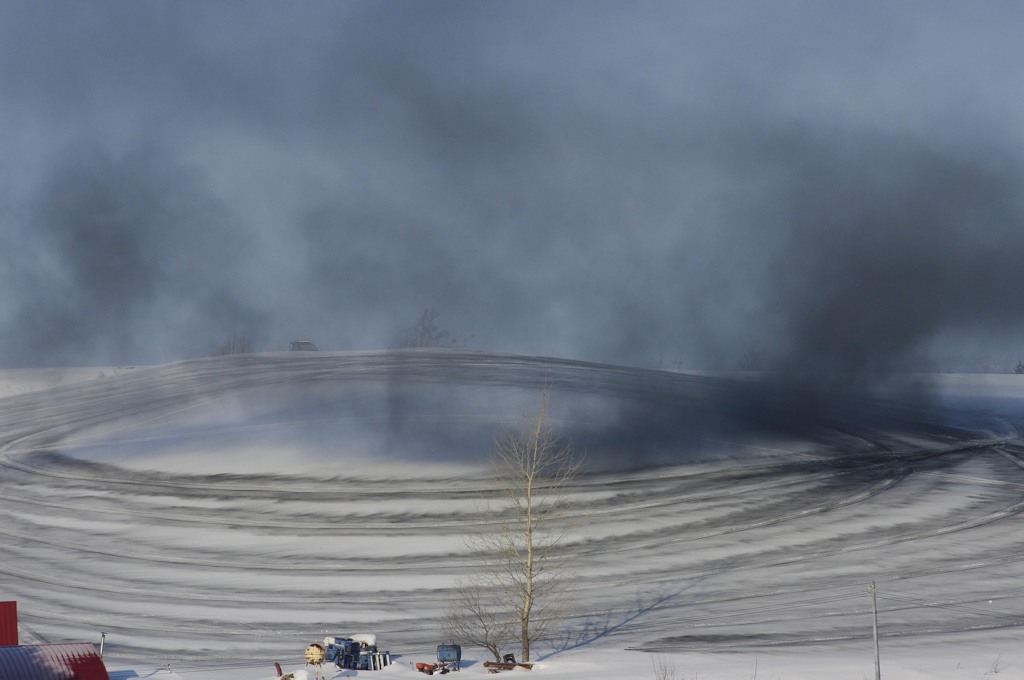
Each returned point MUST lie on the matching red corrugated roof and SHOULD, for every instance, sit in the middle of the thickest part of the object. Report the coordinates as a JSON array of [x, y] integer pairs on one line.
[[8, 623], [66, 661]]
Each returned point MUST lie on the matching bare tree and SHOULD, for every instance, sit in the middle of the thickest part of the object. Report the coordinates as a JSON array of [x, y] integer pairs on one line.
[[235, 343], [426, 333], [526, 568], [664, 668]]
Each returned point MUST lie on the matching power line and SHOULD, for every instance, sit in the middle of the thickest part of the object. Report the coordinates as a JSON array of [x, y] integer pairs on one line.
[[953, 606]]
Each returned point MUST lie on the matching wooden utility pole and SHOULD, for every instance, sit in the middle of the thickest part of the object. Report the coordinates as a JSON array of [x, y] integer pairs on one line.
[[874, 629]]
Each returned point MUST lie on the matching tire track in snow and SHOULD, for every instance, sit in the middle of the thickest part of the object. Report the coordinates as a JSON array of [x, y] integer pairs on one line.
[[864, 477]]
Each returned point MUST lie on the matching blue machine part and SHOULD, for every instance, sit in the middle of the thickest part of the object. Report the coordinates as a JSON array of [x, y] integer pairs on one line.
[[449, 654], [336, 649]]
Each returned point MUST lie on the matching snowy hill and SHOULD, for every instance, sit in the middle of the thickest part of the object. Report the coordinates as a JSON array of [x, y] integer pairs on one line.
[[217, 515]]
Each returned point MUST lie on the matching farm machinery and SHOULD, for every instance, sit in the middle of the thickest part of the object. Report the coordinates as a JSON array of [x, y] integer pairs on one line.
[[358, 652], [449, 658]]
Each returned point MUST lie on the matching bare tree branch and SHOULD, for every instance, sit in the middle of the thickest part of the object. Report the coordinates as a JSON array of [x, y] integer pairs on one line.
[[427, 333], [476, 617], [235, 343]]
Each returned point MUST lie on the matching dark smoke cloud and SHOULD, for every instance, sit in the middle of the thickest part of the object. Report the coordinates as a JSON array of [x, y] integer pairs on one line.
[[827, 187], [878, 245], [131, 250]]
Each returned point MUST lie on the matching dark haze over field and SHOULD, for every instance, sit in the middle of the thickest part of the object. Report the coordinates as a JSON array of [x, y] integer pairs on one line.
[[828, 185]]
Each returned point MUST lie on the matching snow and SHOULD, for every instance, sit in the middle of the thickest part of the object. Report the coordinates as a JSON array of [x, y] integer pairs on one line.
[[214, 517], [981, 661]]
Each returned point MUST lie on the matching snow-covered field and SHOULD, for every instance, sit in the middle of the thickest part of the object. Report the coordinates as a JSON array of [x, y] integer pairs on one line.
[[218, 515]]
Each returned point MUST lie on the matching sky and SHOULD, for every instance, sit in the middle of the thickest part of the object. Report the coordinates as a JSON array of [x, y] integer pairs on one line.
[[824, 185]]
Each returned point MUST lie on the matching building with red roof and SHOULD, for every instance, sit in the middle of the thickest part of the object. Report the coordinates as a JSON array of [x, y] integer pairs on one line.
[[60, 661]]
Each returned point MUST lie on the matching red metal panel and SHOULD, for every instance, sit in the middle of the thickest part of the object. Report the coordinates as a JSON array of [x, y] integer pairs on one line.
[[68, 661], [8, 623]]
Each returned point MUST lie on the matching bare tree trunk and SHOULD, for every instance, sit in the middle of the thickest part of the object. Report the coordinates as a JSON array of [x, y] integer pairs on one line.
[[525, 568]]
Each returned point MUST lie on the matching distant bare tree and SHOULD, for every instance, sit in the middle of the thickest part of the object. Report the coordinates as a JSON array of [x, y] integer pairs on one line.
[[1019, 368], [426, 333], [233, 344], [525, 568]]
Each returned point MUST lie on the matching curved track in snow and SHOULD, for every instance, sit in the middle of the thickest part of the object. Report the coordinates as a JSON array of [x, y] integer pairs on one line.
[[245, 506]]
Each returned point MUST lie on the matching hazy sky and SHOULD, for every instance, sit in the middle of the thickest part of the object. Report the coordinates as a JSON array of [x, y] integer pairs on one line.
[[824, 183]]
